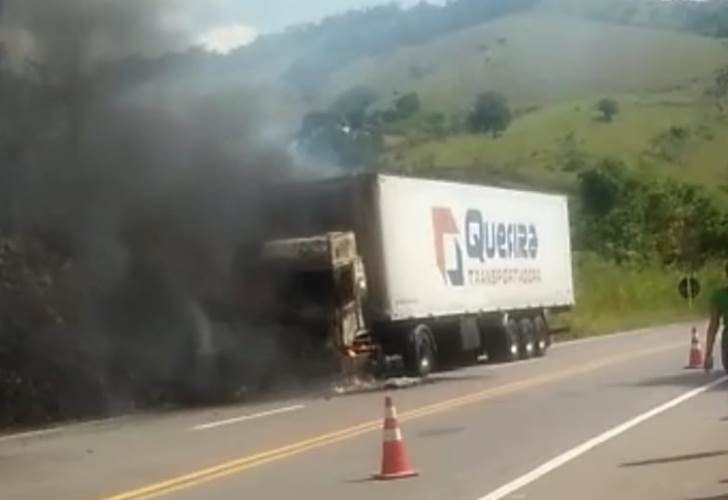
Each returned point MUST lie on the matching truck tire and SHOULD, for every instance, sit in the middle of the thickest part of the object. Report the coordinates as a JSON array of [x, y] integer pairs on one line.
[[419, 360], [503, 346], [526, 339], [542, 336]]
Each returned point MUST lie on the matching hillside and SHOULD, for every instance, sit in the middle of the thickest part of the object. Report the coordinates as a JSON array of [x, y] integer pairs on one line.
[[544, 144], [536, 60], [553, 69], [537, 51]]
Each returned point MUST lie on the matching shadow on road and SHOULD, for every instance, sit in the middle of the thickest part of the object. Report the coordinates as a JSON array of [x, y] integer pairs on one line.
[[441, 431], [676, 458], [717, 497], [687, 378], [361, 480]]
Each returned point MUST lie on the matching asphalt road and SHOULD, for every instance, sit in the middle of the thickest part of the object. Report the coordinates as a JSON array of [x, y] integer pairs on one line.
[[616, 417]]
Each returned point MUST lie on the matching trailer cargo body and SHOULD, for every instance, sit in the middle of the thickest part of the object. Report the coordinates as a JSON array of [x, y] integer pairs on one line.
[[444, 260], [453, 249]]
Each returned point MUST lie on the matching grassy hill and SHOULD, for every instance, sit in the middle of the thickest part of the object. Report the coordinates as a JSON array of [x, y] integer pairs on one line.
[[554, 69], [537, 59], [548, 143]]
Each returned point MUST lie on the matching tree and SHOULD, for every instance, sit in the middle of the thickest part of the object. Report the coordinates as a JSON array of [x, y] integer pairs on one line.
[[408, 105], [314, 122], [491, 114], [600, 187], [609, 108], [435, 123], [625, 217], [352, 105], [327, 138]]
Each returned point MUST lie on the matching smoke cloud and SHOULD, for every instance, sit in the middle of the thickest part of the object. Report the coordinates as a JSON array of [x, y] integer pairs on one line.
[[142, 198]]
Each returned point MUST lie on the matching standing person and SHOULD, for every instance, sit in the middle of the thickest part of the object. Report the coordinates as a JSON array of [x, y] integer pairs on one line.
[[718, 313]]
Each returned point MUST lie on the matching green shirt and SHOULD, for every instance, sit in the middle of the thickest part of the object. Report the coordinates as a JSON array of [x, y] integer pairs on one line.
[[719, 300]]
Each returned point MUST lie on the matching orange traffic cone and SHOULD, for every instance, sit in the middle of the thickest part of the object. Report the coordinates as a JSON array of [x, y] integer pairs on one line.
[[394, 457], [696, 352]]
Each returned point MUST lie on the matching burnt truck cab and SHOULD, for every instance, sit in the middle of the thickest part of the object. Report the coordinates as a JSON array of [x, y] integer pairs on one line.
[[321, 286]]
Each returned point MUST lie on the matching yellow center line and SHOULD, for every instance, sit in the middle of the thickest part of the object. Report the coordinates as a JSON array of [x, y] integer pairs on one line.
[[239, 465]]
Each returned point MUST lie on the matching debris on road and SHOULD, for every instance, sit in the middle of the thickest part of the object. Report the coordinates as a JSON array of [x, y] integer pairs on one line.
[[358, 386]]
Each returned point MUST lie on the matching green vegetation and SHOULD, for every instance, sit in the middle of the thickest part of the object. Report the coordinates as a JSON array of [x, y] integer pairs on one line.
[[346, 135], [351, 106], [490, 114], [662, 135], [635, 241], [720, 90], [613, 297], [608, 107], [668, 124], [407, 105], [626, 219]]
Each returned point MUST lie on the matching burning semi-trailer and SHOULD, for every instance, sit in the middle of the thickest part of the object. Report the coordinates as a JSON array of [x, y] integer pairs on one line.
[[379, 275]]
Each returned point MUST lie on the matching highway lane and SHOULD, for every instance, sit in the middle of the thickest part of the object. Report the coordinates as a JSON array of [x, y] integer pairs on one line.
[[469, 432], [680, 455]]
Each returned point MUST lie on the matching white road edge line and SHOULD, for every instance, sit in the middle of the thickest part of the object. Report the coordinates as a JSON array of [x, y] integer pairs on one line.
[[30, 434], [245, 418], [574, 453], [59, 429], [629, 333]]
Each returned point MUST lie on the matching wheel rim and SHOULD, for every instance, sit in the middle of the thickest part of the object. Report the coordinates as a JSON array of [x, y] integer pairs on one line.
[[424, 351], [425, 362], [541, 333], [526, 336]]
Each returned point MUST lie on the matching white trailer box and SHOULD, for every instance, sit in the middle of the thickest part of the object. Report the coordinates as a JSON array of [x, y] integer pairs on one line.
[[454, 249], [453, 269]]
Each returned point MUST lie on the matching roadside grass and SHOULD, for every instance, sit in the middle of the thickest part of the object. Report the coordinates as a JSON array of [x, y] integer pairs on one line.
[[611, 298]]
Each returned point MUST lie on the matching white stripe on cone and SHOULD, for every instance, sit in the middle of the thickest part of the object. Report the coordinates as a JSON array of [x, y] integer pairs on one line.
[[391, 412], [392, 435]]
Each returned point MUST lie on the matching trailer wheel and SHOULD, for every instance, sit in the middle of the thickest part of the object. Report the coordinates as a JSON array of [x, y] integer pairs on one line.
[[420, 352], [542, 336], [526, 339], [503, 346]]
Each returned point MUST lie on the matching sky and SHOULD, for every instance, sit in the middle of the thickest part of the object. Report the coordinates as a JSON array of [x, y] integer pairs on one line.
[[226, 24]]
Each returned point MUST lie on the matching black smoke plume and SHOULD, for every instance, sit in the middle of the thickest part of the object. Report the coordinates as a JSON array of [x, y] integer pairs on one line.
[[122, 209]]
